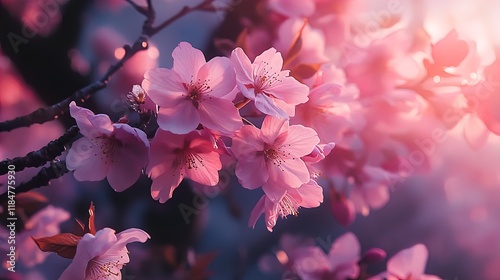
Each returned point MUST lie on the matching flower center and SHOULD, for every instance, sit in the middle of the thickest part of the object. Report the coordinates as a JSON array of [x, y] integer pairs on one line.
[[108, 146], [103, 268], [265, 77], [189, 160], [288, 205], [277, 155], [196, 89]]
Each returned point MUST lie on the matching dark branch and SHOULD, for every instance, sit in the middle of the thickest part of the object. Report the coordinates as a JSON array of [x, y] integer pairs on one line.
[[42, 156], [53, 171], [56, 111]]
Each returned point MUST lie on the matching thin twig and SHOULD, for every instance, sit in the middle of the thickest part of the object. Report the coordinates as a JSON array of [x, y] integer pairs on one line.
[[53, 171], [42, 156], [56, 111]]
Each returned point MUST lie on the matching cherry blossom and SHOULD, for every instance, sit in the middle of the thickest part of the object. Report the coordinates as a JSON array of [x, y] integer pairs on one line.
[[109, 150], [103, 255], [271, 157], [408, 264], [341, 263], [309, 195], [194, 92], [43, 223], [173, 157], [275, 93]]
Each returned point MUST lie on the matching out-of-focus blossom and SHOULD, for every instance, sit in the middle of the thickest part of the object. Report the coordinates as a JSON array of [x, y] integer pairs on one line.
[[408, 264], [103, 255], [44, 223], [174, 157], [194, 92], [109, 150], [271, 157], [341, 263], [275, 93], [309, 195]]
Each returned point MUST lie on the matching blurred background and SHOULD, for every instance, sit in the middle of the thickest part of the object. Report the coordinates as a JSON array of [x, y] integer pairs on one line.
[[451, 203]]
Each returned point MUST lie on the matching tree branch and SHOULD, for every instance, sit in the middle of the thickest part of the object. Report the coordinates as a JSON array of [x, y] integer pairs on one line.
[[53, 171], [42, 156], [43, 115]]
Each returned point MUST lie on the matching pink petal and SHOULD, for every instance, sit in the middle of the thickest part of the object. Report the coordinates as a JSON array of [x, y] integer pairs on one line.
[[180, 119], [409, 261], [289, 90], [344, 255], [242, 65], [292, 173], [187, 61], [311, 194], [376, 195], [247, 142], [271, 58], [220, 115], [300, 140], [90, 125], [266, 105], [271, 214], [130, 159], [86, 161], [274, 192], [220, 76], [164, 87], [131, 235], [475, 131], [252, 173], [311, 263], [272, 128], [207, 169], [256, 212], [164, 185], [89, 246]]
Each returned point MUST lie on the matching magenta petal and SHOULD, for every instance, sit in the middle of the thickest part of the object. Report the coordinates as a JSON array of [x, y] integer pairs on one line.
[[219, 75], [83, 118], [266, 105], [187, 61], [180, 119], [131, 235], [220, 115], [252, 173]]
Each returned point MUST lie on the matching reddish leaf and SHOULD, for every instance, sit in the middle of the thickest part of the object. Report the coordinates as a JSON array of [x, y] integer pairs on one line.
[[30, 202], [63, 244], [91, 226]]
